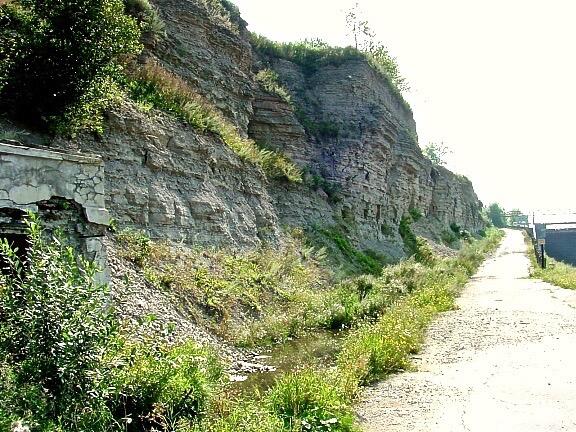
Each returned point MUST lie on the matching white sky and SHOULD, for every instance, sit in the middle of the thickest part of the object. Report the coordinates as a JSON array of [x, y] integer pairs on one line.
[[495, 80]]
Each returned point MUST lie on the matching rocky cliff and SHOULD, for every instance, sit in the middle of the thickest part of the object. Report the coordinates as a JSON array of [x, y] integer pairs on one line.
[[364, 172]]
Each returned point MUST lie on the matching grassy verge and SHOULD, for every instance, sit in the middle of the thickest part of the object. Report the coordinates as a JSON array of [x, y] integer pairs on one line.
[[85, 375], [556, 272]]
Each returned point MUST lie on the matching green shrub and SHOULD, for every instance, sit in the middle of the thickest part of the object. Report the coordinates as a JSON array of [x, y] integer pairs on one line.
[[135, 245], [54, 328], [359, 262], [407, 235], [271, 83], [245, 416], [415, 213], [58, 58]]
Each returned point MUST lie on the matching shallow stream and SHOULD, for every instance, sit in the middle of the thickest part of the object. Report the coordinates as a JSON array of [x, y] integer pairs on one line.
[[311, 350]]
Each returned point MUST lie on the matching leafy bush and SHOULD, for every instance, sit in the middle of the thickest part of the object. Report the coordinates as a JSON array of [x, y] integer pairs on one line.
[[407, 235], [135, 245], [276, 292], [58, 58], [415, 213], [226, 12], [154, 86], [54, 328], [359, 262]]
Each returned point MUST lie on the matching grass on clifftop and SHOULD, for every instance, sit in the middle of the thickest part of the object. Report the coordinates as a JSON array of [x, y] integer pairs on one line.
[[314, 54]]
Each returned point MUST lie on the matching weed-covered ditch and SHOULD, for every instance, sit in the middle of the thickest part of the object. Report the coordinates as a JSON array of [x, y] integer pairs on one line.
[[67, 365]]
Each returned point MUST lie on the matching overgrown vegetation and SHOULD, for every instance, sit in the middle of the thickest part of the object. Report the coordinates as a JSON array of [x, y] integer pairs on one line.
[[351, 260], [154, 87], [151, 25], [58, 59], [65, 365], [436, 153], [321, 400], [85, 375], [271, 83]]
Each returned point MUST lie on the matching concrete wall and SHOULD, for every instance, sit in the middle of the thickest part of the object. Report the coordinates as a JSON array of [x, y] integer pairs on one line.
[[66, 190]]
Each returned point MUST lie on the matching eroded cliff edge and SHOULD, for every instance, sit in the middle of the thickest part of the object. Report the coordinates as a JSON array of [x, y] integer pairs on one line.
[[365, 174]]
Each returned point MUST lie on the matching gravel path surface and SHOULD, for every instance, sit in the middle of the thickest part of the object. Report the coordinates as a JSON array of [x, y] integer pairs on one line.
[[505, 360]]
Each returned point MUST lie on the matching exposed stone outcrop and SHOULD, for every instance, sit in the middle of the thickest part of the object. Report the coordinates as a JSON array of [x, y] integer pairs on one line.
[[369, 152], [176, 184], [362, 162], [213, 55]]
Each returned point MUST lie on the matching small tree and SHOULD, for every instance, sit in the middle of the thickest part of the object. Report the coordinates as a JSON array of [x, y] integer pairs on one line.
[[496, 215], [54, 328], [436, 153], [365, 40]]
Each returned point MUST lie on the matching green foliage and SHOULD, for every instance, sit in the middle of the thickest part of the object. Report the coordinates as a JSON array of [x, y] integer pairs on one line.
[[155, 87], [409, 238], [322, 129], [496, 215], [276, 291], [225, 12], [307, 400], [135, 245], [316, 181], [556, 272], [271, 83], [152, 27], [375, 51], [244, 416], [436, 153], [377, 349], [54, 327], [58, 59]]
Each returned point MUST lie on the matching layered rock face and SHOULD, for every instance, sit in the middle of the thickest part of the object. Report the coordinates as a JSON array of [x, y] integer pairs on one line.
[[211, 52], [367, 148], [176, 184], [363, 166]]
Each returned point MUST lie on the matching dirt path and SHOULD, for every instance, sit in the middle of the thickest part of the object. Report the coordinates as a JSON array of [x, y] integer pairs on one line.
[[504, 361]]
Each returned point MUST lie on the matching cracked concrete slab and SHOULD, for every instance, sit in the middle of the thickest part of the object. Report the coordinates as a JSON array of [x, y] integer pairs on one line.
[[503, 361]]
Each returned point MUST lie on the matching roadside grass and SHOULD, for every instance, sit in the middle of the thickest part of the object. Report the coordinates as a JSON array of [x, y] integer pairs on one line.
[[556, 272]]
